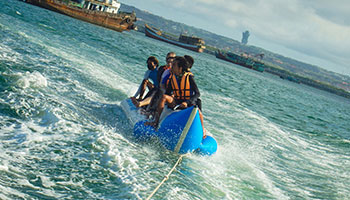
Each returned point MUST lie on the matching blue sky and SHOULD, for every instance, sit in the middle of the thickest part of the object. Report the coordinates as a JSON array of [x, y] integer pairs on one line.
[[315, 31]]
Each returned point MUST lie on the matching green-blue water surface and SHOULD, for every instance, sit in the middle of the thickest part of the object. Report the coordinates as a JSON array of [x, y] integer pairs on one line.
[[63, 134]]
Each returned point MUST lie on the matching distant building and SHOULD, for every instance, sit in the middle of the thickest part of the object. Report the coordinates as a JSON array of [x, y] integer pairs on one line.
[[245, 36]]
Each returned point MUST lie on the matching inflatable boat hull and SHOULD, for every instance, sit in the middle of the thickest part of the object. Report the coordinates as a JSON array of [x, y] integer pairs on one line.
[[178, 131]]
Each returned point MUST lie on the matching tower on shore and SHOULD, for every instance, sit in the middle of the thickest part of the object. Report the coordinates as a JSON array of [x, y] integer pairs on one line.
[[245, 36]]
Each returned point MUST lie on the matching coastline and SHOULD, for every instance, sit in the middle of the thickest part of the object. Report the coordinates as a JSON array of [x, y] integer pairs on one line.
[[278, 71]]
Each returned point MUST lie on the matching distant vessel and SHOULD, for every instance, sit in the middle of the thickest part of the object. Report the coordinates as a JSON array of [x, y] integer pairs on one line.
[[187, 42], [290, 78], [241, 60], [103, 12]]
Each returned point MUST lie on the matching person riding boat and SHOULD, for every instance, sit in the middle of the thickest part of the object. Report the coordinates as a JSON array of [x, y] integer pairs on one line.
[[165, 70], [151, 73], [163, 73], [190, 61], [181, 90]]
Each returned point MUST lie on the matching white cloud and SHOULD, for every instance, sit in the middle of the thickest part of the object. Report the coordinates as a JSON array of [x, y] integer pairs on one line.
[[292, 24]]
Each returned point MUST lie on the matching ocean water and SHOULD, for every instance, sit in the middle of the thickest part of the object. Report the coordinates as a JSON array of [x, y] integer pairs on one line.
[[63, 134]]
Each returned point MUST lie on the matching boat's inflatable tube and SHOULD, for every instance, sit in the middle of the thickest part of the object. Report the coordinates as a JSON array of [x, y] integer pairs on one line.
[[179, 131]]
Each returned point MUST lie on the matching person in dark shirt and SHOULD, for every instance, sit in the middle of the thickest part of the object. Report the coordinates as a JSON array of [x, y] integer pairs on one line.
[[190, 61]]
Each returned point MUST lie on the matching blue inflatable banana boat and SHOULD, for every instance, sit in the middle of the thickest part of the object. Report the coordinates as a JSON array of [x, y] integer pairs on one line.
[[179, 131]]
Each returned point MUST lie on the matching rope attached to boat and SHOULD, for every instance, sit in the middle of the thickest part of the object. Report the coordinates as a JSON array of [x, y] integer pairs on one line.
[[166, 177]]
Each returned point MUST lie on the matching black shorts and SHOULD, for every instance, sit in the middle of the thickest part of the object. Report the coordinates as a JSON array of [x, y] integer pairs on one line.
[[198, 103], [152, 92]]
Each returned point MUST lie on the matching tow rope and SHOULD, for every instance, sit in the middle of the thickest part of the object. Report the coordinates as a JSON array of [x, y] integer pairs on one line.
[[166, 177]]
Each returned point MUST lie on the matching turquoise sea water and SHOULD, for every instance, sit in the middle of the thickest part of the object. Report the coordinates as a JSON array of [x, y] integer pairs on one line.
[[63, 134]]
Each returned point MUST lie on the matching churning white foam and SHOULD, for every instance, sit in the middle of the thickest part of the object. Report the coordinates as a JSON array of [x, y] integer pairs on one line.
[[99, 72], [6, 53], [242, 136], [32, 80]]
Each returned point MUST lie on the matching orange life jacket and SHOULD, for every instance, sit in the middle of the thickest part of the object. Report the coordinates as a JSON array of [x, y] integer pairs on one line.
[[184, 91]]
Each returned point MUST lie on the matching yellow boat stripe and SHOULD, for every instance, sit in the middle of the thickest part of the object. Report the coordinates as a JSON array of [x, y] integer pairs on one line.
[[186, 129]]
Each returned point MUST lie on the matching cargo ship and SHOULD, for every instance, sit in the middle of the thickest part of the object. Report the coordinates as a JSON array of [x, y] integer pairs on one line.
[[241, 60], [188, 42], [102, 13]]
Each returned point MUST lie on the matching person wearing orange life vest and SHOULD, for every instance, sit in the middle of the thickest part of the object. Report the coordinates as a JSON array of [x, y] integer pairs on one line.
[[181, 89], [181, 86]]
